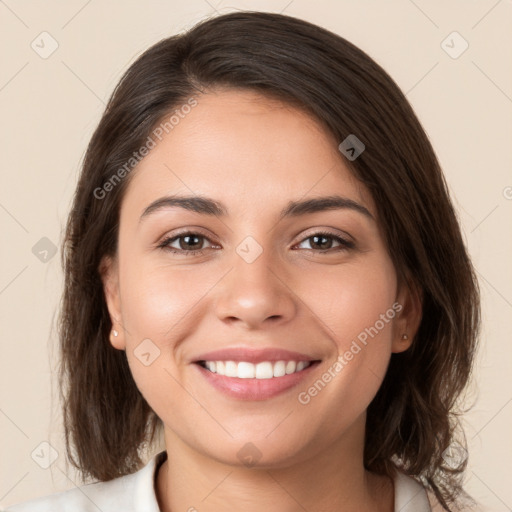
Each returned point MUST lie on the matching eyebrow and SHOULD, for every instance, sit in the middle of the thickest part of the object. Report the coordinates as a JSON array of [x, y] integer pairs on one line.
[[207, 206]]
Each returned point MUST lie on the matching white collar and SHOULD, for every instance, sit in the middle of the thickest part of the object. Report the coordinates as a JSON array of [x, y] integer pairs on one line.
[[136, 493], [410, 496]]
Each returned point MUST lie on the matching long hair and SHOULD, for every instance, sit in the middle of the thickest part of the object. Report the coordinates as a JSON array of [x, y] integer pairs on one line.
[[412, 420]]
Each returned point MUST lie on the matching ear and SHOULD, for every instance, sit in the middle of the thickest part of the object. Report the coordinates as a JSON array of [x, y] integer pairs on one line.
[[408, 319], [109, 272]]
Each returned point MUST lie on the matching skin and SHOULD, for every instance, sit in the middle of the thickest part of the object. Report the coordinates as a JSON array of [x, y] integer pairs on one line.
[[255, 155]]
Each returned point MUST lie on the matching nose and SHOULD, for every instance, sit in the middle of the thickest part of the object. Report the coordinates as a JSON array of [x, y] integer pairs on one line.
[[255, 294]]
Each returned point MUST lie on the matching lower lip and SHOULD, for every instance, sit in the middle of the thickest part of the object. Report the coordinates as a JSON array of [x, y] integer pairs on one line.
[[255, 389]]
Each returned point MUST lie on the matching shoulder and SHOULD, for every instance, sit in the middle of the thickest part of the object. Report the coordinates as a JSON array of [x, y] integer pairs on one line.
[[410, 495], [128, 493], [90, 497], [434, 503], [469, 506]]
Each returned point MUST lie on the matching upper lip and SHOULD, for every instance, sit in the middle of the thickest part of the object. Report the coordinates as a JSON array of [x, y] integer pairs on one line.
[[252, 355]]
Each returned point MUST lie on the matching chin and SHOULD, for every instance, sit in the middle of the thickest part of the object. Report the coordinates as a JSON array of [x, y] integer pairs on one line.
[[258, 452]]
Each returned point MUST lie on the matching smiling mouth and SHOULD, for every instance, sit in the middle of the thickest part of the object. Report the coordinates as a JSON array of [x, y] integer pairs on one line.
[[261, 370]]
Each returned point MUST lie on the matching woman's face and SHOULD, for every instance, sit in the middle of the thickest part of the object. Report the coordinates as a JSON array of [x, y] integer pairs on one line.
[[259, 268]]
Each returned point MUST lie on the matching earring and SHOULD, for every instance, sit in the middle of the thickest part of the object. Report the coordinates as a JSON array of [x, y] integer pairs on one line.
[[405, 337], [115, 332]]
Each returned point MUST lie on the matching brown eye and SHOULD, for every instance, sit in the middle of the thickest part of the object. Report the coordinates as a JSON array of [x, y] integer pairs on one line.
[[323, 242], [190, 241], [187, 243]]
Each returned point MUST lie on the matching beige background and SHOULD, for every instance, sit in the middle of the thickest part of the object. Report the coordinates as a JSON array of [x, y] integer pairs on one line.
[[49, 108]]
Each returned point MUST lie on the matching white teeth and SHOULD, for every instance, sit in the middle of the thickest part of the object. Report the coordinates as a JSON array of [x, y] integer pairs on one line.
[[263, 370], [231, 369], [246, 370], [290, 367], [300, 366], [279, 368]]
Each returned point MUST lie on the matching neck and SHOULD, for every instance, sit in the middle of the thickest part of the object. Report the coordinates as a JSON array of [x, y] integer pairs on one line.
[[334, 479]]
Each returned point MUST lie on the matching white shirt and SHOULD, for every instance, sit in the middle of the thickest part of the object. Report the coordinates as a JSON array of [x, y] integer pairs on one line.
[[136, 493]]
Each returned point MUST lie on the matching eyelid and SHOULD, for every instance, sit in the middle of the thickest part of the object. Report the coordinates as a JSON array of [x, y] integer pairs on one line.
[[309, 232], [334, 232], [344, 243], [191, 230]]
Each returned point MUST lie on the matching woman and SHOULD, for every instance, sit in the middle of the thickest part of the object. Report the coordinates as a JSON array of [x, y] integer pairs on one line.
[[262, 262]]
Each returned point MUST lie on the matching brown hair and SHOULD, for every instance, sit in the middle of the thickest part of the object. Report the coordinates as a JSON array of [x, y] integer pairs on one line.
[[413, 418]]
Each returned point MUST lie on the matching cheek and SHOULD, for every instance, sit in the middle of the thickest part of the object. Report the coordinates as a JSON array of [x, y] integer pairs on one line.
[[352, 299], [161, 306], [158, 305], [356, 308], [158, 300], [358, 317]]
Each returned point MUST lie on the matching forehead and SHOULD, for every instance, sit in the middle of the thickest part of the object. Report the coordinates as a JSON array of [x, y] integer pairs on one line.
[[246, 149]]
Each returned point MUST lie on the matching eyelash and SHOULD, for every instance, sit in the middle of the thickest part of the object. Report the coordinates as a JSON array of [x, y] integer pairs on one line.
[[345, 244]]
